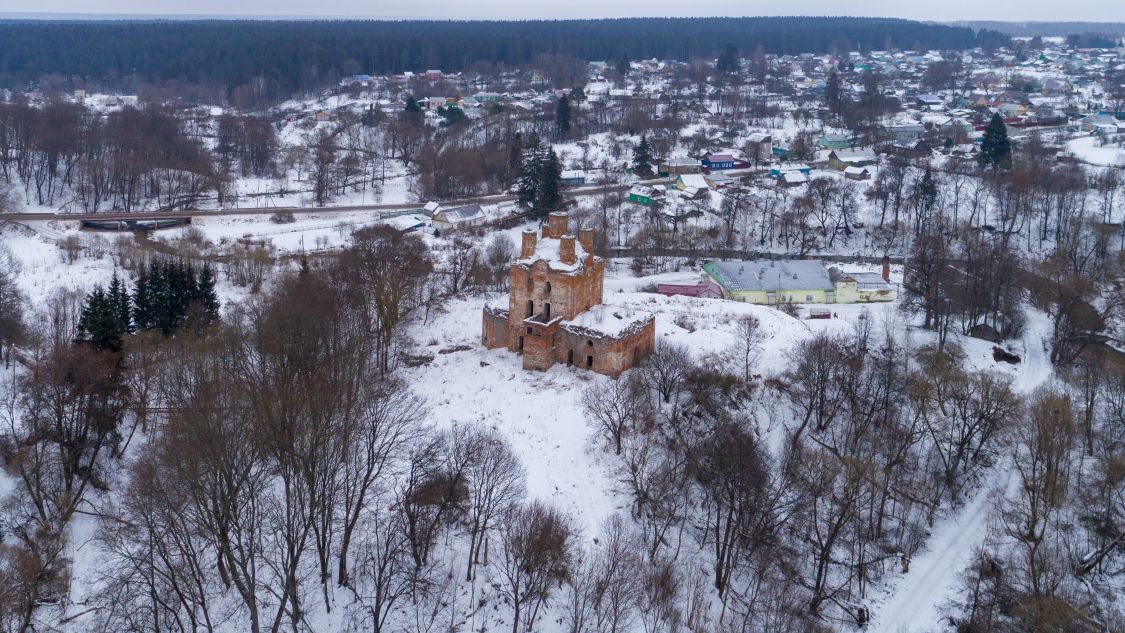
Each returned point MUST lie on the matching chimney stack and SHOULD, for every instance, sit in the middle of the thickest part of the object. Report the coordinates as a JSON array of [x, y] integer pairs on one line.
[[556, 224], [527, 247], [566, 249], [586, 239], [886, 268]]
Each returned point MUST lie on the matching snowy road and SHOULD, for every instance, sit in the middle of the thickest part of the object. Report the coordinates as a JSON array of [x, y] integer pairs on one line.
[[934, 576]]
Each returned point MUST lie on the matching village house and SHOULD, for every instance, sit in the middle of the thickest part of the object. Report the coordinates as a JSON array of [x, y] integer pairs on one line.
[[759, 147], [677, 166], [712, 162], [642, 195], [777, 169], [692, 181], [834, 141], [930, 101], [904, 133], [769, 282], [452, 218], [862, 287], [841, 159], [554, 312]]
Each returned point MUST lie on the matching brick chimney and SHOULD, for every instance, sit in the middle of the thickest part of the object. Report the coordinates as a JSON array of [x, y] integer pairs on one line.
[[886, 268], [527, 247], [586, 239], [566, 249], [556, 224]]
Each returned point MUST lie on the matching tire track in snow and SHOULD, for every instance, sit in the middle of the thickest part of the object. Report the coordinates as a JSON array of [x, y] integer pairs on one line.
[[917, 603]]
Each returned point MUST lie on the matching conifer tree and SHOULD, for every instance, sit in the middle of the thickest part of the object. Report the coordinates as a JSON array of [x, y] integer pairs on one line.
[[562, 116], [728, 59], [995, 148], [550, 184], [98, 324], [530, 170], [207, 295], [119, 295], [623, 68], [642, 158], [833, 97], [142, 302]]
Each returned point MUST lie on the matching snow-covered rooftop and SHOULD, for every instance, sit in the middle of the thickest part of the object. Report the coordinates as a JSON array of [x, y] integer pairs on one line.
[[547, 249], [770, 275], [608, 320]]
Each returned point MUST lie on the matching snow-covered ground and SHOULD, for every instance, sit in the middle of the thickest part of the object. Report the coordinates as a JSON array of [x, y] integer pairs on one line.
[[916, 602], [541, 413], [1089, 149]]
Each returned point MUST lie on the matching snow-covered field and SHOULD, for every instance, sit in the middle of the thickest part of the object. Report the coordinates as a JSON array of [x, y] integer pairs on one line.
[[1088, 148]]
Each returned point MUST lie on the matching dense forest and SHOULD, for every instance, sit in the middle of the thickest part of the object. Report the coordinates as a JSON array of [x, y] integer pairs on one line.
[[1031, 29], [284, 56]]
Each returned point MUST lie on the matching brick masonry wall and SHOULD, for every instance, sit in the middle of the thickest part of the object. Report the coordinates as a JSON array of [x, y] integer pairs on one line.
[[539, 343], [609, 355], [494, 329], [569, 294]]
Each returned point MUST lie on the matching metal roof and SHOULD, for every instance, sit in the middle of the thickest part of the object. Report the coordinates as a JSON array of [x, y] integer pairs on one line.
[[766, 274], [462, 214]]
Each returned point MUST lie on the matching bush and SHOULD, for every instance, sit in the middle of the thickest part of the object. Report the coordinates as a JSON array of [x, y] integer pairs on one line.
[[282, 217]]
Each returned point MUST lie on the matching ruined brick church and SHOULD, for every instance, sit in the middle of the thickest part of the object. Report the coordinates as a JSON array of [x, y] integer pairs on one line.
[[554, 311]]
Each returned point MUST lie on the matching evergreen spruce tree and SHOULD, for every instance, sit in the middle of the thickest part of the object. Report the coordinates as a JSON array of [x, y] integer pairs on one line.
[[162, 295], [623, 68], [642, 158], [562, 116], [550, 185], [98, 324], [142, 302], [927, 194], [995, 149], [530, 171], [119, 295], [832, 94], [728, 59], [210, 299], [412, 113]]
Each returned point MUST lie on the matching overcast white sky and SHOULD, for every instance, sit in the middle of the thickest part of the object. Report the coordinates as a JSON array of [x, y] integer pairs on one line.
[[1008, 10]]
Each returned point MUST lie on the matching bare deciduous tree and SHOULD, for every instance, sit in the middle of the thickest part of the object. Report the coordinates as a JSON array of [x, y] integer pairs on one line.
[[538, 555]]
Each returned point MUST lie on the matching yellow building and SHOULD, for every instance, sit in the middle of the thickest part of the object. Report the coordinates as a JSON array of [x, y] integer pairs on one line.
[[863, 288], [770, 282]]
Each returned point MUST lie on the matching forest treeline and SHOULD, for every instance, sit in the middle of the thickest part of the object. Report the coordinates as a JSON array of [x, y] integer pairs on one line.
[[285, 56]]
